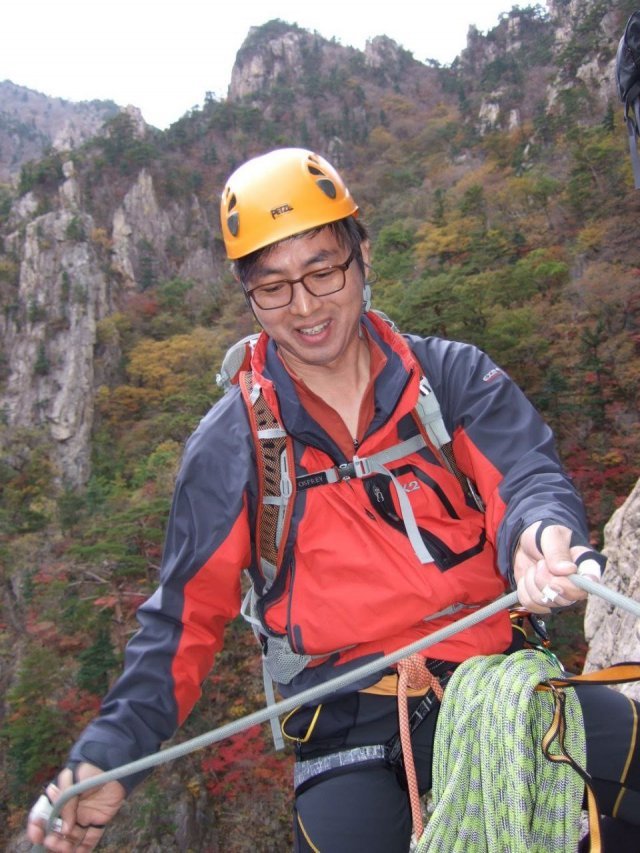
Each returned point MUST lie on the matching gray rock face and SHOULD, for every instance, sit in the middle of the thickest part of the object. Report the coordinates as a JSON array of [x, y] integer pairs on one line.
[[62, 294], [263, 66], [613, 634], [71, 276], [31, 122]]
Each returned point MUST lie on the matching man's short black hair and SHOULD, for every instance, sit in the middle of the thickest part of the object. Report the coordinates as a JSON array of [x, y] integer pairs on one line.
[[349, 232]]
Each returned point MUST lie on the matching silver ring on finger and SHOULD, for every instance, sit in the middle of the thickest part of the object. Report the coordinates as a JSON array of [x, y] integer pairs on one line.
[[549, 595]]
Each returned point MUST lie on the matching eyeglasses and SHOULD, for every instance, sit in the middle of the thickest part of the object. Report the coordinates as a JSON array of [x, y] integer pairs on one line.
[[322, 282]]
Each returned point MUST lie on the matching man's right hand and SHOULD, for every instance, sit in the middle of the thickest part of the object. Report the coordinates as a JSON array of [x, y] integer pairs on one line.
[[84, 818]]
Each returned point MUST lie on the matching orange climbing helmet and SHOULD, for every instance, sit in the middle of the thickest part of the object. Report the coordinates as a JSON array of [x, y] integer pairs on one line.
[[277, 195]]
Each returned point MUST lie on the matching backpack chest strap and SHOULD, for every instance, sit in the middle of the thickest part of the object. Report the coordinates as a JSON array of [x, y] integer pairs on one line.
[[365, 466]]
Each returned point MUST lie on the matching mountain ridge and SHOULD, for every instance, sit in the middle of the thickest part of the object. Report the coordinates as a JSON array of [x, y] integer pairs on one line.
[[32, 122]]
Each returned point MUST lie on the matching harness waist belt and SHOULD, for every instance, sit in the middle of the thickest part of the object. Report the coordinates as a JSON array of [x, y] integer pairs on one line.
[[305, 770]]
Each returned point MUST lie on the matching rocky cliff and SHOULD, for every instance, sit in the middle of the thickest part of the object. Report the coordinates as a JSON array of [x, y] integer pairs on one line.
[[613, 634], [71, 274], [50, 334], [31, 123]]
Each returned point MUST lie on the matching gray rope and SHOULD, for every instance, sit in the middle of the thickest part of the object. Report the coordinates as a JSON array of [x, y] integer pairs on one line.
[[616, 598], [313, 694]]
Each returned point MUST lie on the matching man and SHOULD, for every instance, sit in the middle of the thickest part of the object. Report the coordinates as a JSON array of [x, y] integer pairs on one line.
[[369, 563]]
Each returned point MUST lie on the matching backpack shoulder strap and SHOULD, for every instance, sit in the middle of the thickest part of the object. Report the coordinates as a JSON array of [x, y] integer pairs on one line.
[[429, 416], [237, 358], [276, 480], [274, 460]]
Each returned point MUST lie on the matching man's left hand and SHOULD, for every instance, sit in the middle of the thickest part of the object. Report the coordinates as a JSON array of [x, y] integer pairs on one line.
[[542, 569]]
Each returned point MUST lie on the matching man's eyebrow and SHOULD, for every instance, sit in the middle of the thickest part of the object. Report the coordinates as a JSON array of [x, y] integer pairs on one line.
[[322, 255]]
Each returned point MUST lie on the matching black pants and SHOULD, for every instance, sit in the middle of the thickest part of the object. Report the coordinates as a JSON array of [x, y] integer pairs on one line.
[[367, 807]]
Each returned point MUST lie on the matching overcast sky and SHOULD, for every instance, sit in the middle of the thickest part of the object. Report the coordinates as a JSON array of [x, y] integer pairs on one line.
[[164, 55]]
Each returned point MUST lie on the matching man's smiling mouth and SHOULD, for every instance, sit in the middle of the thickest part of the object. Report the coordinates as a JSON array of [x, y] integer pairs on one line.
[[314, 330]]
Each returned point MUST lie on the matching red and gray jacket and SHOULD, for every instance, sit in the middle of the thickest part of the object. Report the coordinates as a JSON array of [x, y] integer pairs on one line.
[[350, 588]]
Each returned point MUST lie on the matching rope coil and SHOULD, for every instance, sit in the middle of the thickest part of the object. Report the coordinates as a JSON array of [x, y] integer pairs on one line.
[[493, 788]]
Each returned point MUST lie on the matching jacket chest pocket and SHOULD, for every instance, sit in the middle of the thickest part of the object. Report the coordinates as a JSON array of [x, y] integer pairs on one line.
[[428, 498]]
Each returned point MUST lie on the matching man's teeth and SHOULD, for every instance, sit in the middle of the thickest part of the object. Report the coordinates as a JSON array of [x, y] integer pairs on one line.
[[314, 330]]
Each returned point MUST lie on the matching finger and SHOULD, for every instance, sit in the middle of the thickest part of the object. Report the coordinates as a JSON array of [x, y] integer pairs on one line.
[[555, 590], [59, 842], [551, 596], [40, 814], [84, 838], [591, 563], [529, 594], [540, 591], [63, 835], [527, 551], [38, 819], [69, 810], [91, 838], [554, 544]]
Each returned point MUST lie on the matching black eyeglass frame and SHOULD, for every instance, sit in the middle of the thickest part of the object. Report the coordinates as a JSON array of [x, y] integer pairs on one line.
[[291, 281]]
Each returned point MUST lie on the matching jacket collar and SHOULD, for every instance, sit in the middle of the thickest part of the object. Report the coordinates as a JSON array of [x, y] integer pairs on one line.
[[395, 390]]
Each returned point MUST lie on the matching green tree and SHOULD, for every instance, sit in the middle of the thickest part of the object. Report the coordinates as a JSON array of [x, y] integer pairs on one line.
[[35, 729], [97, 661], [42, 365]]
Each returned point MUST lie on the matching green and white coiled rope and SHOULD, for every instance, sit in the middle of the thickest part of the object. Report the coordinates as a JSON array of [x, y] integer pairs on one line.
[[493, 789]]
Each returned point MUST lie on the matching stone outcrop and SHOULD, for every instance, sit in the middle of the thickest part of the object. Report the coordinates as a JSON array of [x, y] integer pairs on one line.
[[31, 122], [382, 52], [71, 276], [50, 333], [145, 234], [254, 70], [612, 633], [593, 65]]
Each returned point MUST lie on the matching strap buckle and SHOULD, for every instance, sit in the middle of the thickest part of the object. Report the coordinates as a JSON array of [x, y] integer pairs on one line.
[[358, 467]]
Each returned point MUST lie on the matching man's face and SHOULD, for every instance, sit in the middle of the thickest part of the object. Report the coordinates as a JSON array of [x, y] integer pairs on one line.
[[312, 331]]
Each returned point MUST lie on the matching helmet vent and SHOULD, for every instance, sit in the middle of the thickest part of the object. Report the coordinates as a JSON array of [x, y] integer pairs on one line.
[[232, 202], [327, 187], [314, 170], [233, 224]]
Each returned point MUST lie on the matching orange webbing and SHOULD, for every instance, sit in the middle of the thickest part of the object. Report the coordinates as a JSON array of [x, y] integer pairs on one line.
[[413, 673], [617, 673]]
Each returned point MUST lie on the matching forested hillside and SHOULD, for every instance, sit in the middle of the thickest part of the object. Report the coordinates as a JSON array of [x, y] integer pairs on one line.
[[500, 200]]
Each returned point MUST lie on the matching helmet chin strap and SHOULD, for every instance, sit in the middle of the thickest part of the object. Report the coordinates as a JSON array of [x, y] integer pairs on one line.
[[366, 297]]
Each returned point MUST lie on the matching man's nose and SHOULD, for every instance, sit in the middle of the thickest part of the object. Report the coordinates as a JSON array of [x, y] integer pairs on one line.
[[303, 302]]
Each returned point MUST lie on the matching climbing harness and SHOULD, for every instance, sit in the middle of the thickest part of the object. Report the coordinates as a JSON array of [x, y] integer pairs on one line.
[[414, 672], [312, 770], [313, 694]]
